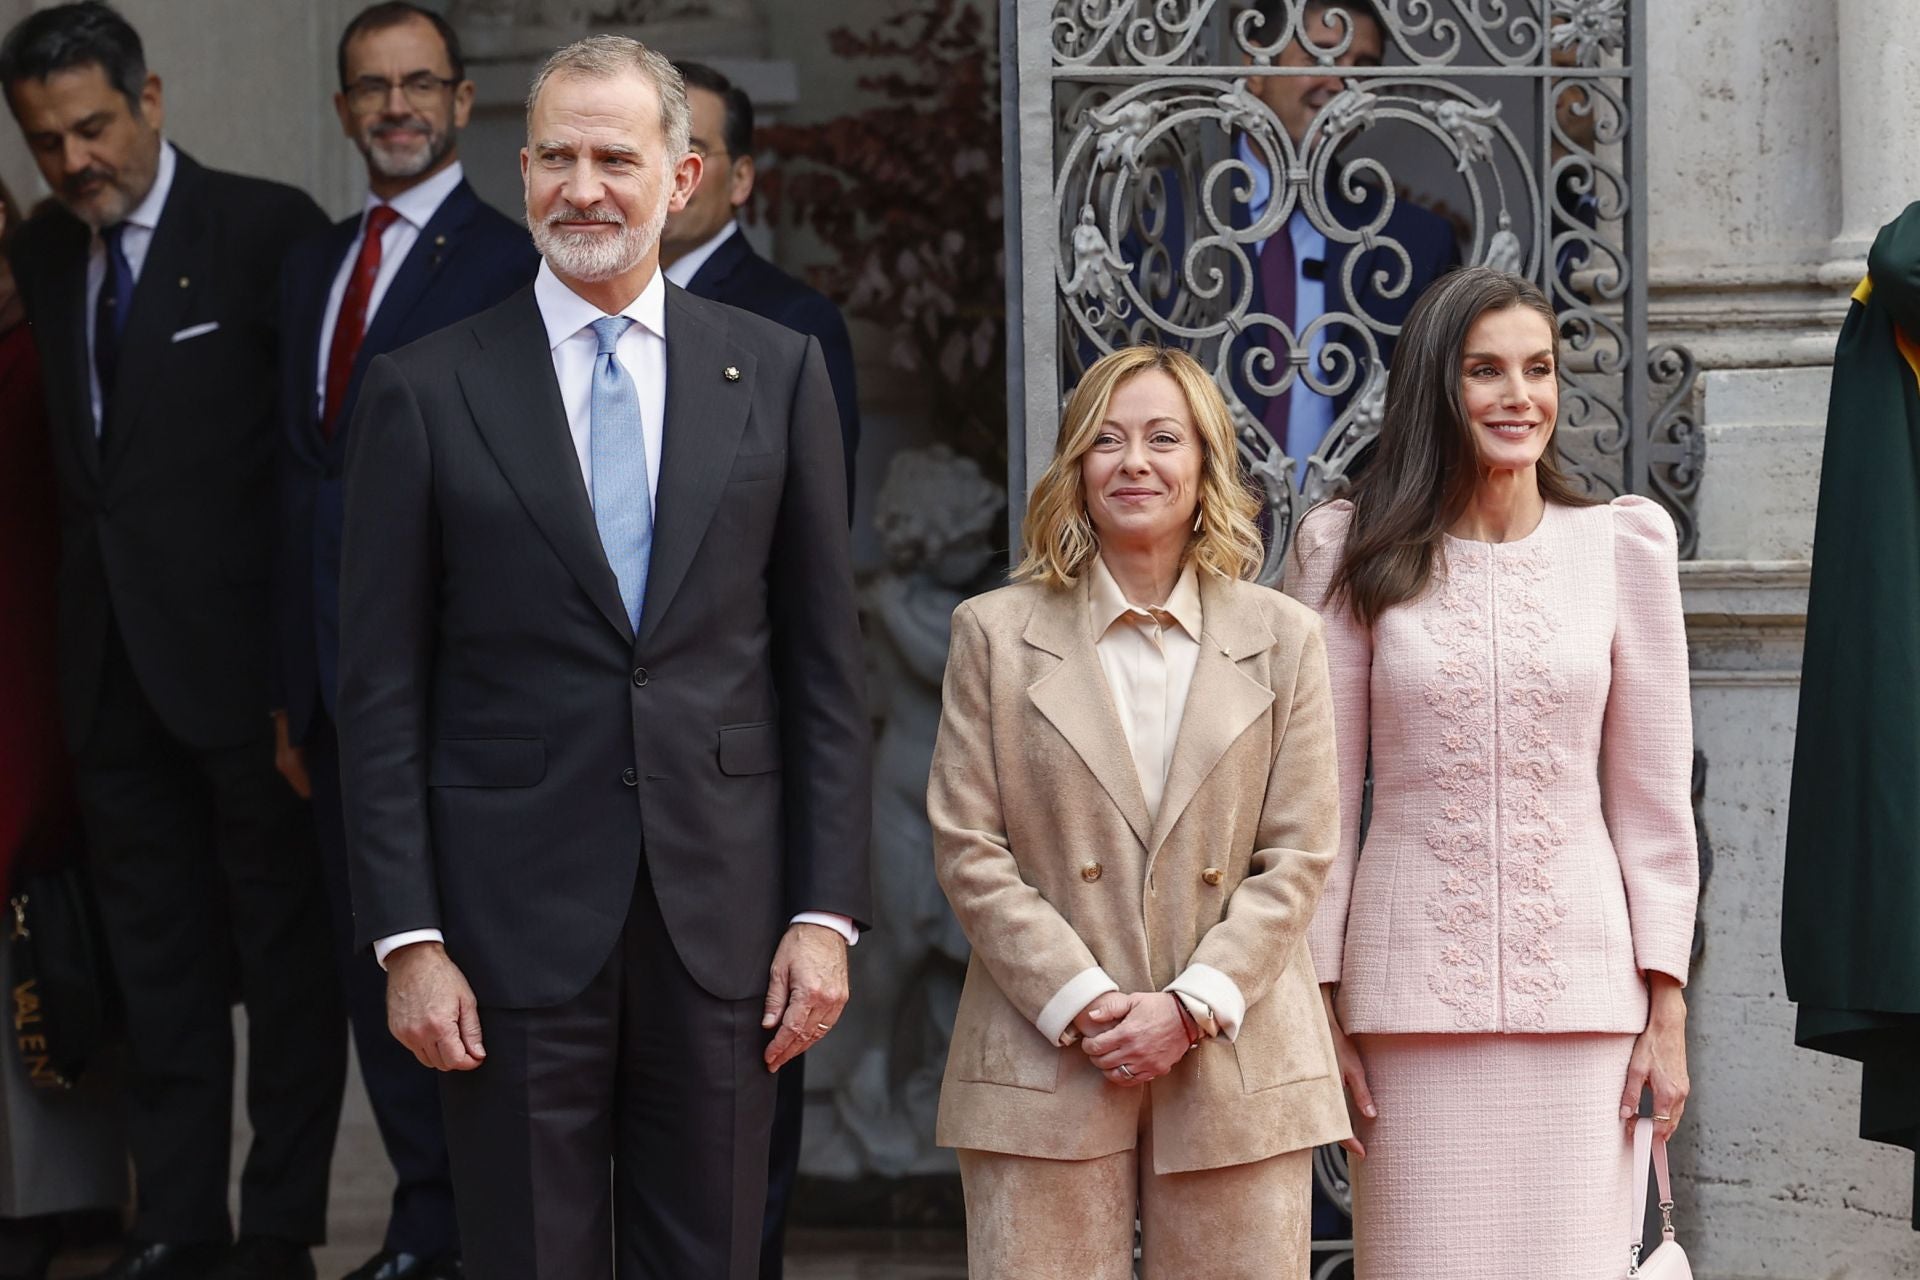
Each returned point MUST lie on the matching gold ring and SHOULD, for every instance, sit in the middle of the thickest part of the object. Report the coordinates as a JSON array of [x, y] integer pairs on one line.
[[824, 1027], [1126, 1071], [1668, 1119]]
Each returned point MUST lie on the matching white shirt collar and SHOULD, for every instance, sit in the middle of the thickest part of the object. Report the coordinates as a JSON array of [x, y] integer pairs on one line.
[[147, 212], [566, 313], [417, 204], [685, 268], [1108, 603]]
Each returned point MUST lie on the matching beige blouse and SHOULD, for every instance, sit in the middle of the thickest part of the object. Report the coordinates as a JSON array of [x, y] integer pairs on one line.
[[1148, 653]]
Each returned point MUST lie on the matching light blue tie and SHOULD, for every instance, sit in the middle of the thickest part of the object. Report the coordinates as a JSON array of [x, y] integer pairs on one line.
[[622, 504]]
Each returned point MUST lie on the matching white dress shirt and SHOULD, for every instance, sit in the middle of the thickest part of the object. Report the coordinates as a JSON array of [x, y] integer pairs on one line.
[[134, 242], [1309, 414], [1148, 654], [684, 269], [416, 207], [642, 352]]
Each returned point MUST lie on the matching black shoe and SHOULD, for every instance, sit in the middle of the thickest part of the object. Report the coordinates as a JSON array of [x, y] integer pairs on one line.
[[165, 1262], [265, 1258], [447, 1266], [391, 1264]]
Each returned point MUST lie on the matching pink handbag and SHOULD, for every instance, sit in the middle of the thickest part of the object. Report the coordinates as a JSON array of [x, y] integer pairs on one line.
[[1668, 1261]]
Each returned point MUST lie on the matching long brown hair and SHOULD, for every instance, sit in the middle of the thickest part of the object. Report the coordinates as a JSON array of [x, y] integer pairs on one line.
[[1058, 532], [1424, 466]]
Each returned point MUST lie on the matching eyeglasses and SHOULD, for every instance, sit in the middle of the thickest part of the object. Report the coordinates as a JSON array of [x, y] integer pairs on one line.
[[421, 88]]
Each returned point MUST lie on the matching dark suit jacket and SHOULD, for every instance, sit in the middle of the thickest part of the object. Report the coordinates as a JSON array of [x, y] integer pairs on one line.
[[510, 748], [739, 277], [467, 258], [169, 534]]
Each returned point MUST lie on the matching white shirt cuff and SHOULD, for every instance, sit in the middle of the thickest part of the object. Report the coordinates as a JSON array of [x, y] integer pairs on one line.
[[842, 925], [1082, 989], [1215, 990], [384, 947]]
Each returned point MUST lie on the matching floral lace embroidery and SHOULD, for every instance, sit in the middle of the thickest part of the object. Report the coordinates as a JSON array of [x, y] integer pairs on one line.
[[1462, 907], [1462, 768]]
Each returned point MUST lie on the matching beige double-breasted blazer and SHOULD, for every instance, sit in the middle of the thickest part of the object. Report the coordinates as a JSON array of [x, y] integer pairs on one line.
[[1043, 844]]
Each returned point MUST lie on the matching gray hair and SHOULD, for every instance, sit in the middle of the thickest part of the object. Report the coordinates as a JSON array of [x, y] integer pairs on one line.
[[605, 57]]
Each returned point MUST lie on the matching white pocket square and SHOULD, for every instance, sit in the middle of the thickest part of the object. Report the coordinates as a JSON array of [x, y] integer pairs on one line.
[[196, 330]]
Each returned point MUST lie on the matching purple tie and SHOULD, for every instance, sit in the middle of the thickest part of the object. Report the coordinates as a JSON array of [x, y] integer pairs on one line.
[[1279, 282]]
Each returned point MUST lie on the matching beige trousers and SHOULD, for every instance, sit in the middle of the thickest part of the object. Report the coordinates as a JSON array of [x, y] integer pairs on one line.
[[1033, 1219]]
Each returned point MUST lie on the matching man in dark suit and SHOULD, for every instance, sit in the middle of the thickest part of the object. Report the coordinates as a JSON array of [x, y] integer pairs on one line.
[[424, 253], [602, 728], [150, 292], [1300, 273], [704, 252]]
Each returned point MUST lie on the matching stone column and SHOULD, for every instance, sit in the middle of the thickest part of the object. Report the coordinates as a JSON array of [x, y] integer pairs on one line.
[[1879, 129]]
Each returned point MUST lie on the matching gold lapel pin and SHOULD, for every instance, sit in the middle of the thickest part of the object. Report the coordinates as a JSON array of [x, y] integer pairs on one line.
[[440, 240], [732, 374], [183, 282]]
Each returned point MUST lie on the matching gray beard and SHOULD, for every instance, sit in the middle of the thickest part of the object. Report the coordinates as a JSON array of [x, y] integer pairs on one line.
[[592, 258]]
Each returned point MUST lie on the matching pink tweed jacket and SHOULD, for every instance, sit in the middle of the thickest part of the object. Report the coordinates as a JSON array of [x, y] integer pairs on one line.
[[1531, 850]]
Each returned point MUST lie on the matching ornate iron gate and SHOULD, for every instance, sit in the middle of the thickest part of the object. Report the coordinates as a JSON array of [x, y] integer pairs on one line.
[[1130, 129]]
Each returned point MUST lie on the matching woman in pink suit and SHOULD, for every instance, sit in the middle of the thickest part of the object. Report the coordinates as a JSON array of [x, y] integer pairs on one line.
[[1502, 954]]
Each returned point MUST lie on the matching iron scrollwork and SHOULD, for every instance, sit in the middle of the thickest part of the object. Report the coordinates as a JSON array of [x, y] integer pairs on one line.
[[1517, 115]]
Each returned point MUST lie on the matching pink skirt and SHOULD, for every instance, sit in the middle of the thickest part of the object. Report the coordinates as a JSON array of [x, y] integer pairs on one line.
[[1494, 1157]]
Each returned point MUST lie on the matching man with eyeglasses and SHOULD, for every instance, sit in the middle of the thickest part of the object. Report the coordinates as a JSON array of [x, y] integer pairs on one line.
[[423, 253], [703, 251], [150, 288]]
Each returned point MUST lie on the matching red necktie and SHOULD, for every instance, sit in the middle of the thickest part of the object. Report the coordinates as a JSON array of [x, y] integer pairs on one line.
[[351, 326]]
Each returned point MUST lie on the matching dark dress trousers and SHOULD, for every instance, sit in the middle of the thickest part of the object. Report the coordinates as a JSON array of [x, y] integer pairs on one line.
[[465, 259], [203, 860], [739, 277], [611, 830]]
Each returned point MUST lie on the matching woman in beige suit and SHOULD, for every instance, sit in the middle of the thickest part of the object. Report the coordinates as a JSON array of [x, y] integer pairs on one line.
[[1134, 803]]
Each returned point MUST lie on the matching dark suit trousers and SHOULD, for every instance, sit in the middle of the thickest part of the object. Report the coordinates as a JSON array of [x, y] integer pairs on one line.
[[405, 1095], [209, 886], [621, 1134]]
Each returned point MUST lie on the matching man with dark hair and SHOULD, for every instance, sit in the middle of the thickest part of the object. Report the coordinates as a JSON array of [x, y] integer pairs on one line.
[[150, 289], [1305, 274], [422, 254], [704, 252]]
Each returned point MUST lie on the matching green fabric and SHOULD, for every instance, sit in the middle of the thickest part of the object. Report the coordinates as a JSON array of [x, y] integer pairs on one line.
[[1849, 937]]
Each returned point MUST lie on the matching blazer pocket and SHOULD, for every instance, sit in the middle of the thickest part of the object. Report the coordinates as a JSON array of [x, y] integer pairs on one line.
[[195, 331], [757, 466], [1284, 1040], [747, 749], [487, 762], [993, 1044]]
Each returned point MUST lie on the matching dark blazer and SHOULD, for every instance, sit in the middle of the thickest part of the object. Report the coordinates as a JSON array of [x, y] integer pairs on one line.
[[169, 534], [510, 747], [739, 277], [467, 258]]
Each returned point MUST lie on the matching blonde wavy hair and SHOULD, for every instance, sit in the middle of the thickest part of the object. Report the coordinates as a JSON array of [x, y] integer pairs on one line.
[[1058, 533]]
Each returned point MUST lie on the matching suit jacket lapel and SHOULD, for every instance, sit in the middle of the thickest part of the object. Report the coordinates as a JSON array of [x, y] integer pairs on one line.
[[515, 401], [705, 418], [313, 290], [170, 277], [1075, 699], [714, 271], [70, 381], [1222, 701]]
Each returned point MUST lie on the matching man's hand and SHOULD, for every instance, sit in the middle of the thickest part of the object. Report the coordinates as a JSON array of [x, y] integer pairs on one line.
[[431, 1009], [289, 759], [807, 991]]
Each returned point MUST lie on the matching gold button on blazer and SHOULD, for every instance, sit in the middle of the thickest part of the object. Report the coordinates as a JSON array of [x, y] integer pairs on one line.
[[1044, 846]]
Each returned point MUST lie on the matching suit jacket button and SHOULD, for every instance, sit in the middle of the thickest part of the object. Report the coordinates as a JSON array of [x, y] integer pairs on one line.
[[1090, 872], [640, 677], [1213, 875], [631, 778]]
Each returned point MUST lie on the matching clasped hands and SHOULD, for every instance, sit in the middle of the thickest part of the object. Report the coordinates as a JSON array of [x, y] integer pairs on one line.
[[1133, 1037]]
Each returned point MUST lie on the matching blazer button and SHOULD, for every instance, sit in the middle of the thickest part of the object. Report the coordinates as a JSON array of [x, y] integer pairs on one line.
[[631, 778], [640, 677], [1213, 875], [1090, 872]]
